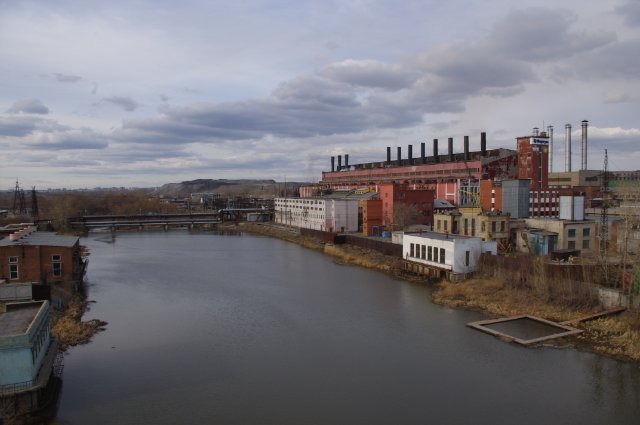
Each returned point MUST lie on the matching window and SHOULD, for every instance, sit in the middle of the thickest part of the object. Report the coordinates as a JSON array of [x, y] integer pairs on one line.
[[572, 233], [438, 225], [585, 244], [424, 252], [429, 257], [441, 255], [445, 226], [571, 245], [466, 226], [56, 264], [483, 227], [435, 254], [502, 226], [466, 258], [13, 267], [586, 231], [411, 248], [473, 227], [493, 227]]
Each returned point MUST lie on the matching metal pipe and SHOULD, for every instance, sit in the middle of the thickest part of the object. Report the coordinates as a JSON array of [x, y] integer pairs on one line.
[[435, 151], [466, 148], [346, 160], [451, 149], [423, 159], [333, 164], [410, 154], [483, 143], [339, 162], [399, 156], [567, 148], [550, 134], [388, 155], [585, 124]]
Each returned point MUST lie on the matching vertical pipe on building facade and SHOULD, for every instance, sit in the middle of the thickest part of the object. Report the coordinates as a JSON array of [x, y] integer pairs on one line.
[[451, 149], [410, 154], [422, 153], [466, 148], [333, 164], [436, 159], [567, 148], [483, 143], [399, 156], [388, 155], [550, 134], [585, 124]]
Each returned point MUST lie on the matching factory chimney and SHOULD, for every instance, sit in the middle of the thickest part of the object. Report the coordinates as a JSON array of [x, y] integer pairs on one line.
[[422, 157], [346, 160], [333, 164], [450, 149], [550, 134], [483, 143], [339, 162], [399, 156], [436, 159], [567, 148], [585, 124], [410, 154], [466, 148], [388, 155]]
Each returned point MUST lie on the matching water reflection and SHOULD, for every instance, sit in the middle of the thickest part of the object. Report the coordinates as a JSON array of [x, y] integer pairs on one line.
[[251, 330]]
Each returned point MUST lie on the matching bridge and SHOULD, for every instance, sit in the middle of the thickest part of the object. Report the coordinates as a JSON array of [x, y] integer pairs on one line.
[[143, 221]]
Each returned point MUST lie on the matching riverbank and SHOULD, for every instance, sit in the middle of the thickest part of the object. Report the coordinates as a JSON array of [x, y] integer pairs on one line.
[[67, 325], [615, 336]]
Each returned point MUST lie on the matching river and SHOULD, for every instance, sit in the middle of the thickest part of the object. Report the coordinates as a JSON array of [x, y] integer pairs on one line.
[[227, 329]]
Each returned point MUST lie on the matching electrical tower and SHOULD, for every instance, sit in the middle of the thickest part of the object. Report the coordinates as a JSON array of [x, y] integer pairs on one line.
[[34, 203], [19, 204]]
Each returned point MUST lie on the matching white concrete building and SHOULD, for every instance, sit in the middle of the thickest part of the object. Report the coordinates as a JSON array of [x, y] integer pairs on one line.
[[443, 255], [328, 215]]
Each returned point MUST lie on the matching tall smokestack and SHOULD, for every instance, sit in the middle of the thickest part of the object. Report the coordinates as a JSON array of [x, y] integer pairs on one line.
[[388, 155], [466, 148], [399, 156], [346, 160], [333, 164], [585, 124], [436, 158], [410, 154], [451, 149], [339, 162], [483, 143], [567, 148], [550, 134], [423, 159]]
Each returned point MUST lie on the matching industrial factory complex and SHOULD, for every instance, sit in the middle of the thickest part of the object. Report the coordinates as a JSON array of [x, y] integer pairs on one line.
[[508, 200]]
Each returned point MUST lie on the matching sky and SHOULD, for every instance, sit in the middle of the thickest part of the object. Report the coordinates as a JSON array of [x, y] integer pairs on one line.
[[139, 93]]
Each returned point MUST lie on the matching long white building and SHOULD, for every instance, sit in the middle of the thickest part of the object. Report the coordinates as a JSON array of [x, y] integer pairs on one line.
[[444, 255], [328, 215]]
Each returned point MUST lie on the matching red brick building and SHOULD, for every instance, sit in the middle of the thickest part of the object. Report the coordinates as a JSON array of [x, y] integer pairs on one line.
[[40, 257], [533, 159], [371, 216], [402, 205]]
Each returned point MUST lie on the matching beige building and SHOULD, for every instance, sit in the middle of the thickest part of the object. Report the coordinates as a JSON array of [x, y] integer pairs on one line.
[[472, 221], [578, 234]]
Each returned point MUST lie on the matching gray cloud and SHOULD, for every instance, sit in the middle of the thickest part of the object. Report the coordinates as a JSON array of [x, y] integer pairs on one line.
[[127, 103], [23, 126], [618, 60], [28, 106], [369, 73], [63, 78], [539, 34], [630, 12]]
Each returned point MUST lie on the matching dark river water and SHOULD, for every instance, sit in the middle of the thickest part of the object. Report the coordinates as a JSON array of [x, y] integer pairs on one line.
[[219, 329]]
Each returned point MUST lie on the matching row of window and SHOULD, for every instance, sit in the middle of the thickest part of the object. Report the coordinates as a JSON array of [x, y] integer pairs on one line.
[[572, 244], [56, 267], [586, 232], [426, 252]]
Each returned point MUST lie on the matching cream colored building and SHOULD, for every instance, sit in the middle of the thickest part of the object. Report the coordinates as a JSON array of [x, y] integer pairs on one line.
[[572, 234]]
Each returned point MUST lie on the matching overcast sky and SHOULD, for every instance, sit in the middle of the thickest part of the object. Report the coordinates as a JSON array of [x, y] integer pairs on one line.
[[142, 93]]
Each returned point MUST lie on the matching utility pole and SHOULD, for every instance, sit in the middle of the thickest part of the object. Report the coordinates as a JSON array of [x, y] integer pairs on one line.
[[604, 217]]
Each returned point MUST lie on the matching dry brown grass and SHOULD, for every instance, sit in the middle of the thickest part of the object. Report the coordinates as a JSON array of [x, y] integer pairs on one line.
[[69, 328], [617, 336]]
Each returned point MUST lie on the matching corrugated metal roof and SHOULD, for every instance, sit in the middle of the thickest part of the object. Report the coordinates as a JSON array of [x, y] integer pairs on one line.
[[42, 239]]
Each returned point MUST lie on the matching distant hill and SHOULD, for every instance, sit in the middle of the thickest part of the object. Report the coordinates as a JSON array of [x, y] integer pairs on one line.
[[220, 185]]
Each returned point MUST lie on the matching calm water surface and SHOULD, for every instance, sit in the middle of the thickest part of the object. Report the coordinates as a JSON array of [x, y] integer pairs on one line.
[[215, 329]]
